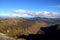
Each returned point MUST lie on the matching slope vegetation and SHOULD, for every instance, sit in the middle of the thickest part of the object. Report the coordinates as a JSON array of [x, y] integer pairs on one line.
[[14, 27]]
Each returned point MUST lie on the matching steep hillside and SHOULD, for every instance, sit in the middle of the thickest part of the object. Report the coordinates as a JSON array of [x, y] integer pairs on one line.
[[51, 33], [36, 27], [17, 26]]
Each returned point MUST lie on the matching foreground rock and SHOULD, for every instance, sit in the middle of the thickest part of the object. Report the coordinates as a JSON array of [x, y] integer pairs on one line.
[[4, 37]]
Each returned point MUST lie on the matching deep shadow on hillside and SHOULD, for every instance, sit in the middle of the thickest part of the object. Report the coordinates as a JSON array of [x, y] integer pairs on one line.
[[51, 33]]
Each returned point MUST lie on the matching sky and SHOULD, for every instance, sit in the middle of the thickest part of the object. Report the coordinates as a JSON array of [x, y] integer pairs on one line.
[[30, 8]]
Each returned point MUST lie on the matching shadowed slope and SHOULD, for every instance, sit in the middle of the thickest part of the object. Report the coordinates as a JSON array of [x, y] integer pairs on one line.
[[49, 34]]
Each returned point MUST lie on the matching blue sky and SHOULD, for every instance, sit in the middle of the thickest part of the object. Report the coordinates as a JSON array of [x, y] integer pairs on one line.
[[7, 6]]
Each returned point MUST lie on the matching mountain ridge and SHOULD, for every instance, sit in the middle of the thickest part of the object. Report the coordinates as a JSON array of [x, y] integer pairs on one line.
[[47, 20]]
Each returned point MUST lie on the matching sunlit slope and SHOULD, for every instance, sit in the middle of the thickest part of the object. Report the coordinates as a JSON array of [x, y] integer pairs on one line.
[[17, 26]]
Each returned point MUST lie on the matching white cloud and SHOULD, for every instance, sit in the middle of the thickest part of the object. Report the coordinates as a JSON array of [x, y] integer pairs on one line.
[[20, 11], [38, 14], [57, 6]]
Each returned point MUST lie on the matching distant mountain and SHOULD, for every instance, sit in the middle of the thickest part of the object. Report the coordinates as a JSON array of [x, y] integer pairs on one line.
[[7, 17], [47, 20]]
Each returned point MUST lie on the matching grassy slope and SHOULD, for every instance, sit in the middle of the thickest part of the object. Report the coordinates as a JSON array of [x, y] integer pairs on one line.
[[14, 27]]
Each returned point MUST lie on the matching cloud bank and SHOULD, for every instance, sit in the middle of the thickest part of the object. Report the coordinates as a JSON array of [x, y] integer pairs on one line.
[[45, 14]]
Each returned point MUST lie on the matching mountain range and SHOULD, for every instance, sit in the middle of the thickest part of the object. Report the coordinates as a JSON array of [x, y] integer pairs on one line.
[[14, 27], [39, 19], [47, 20]]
